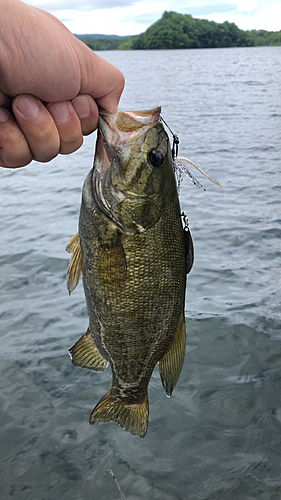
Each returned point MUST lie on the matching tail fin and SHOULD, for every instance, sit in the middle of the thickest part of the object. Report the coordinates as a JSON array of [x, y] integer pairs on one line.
[[132, 417]]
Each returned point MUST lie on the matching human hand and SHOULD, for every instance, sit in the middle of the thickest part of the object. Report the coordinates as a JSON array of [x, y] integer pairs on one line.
[[51, 85]]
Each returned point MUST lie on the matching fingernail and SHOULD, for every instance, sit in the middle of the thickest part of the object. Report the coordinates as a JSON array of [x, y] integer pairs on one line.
[[27, 105], [4, 116], [82, 107], [59, 111]]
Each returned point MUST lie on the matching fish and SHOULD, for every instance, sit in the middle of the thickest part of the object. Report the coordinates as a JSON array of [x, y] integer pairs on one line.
[[134, 254]]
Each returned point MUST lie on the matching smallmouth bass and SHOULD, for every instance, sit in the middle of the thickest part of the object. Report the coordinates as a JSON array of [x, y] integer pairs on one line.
[[134, 255]]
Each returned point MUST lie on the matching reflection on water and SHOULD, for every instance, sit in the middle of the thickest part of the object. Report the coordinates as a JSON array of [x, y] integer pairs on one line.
[[219, 435]]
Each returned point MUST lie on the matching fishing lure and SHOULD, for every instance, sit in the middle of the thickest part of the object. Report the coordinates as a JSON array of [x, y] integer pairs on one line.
[[180, 164]]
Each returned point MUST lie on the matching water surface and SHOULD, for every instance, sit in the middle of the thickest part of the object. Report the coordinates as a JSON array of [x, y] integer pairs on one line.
[[219, 436]]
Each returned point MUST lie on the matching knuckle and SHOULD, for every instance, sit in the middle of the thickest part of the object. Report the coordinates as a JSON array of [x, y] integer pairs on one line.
[[45, 144], [44, 154], [14, 161], [88, 127], [70, 147], [14, 149], [72, 136]]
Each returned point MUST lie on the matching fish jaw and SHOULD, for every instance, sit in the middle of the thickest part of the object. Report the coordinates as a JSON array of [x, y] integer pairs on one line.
[[118, 131], [125, 128], [126, 187]]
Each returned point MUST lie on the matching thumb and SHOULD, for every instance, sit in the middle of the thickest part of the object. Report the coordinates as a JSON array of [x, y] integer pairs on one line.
[[101, 79]]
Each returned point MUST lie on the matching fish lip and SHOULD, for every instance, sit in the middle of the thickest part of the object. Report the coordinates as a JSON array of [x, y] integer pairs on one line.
[[141, 113]]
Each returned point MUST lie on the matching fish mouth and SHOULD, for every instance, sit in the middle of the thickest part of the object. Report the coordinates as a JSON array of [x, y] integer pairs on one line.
[[124, 128], [118, 132]]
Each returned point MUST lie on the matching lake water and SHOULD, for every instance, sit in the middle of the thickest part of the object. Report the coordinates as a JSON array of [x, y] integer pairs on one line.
[[219, 436]]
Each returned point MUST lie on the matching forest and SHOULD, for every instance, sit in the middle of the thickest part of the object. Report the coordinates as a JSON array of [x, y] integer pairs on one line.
[[182, 31]]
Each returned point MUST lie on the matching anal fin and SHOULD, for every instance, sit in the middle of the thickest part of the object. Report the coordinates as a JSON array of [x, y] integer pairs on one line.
[[170, 364], [132, 417], [86, 354]]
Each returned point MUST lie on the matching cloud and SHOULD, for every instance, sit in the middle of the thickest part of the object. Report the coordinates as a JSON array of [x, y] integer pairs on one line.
[[82, 6], [246, 14], [262, 18], [205, 10], [130, 17], [246, 5], [147, 19], [130, 20]]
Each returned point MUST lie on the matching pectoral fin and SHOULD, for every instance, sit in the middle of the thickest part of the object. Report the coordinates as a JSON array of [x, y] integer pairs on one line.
[[170, 364], [86, 354], [73, 242], [74, 271]]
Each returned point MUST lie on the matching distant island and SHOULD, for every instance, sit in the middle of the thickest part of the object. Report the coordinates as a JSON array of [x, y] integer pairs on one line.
[[182, 31]]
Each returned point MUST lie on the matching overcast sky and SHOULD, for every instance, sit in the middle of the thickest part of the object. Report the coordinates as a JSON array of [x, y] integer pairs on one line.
[[130, 17]]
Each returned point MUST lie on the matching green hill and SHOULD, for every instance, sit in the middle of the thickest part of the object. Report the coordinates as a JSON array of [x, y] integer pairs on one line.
[[182, 31], [103, 42]]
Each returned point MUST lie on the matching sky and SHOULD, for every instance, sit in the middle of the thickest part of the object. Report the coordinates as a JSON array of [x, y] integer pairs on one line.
[[131, 17]]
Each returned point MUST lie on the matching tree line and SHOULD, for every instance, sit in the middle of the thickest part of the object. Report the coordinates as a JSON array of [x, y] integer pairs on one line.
[[182, 31]]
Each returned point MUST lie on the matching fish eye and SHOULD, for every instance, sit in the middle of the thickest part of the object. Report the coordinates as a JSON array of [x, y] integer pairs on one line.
[[156, 158]]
